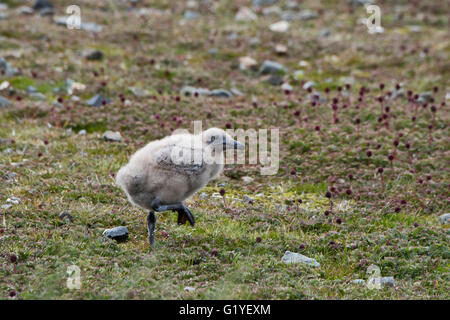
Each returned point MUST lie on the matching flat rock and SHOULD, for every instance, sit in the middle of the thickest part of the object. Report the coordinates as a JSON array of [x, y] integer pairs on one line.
[[359, 281], [425, 97], [8, 69], [236, 92], [42, 4], [445, 218], [37, 96], [245, 15], [275, 80], [280, 26], [112, 136], [271, 67], [86, 26], [247, 63], [190, 91], [302, 15], [309, 84], [383, 281], [260, 3], [191, 15], [287, 87], [4, 102], [97, 101], [119, 234], [25, 10], [93, 54], [281, 49], [247, 179], [292, 257], [221, 93], [66, 216]]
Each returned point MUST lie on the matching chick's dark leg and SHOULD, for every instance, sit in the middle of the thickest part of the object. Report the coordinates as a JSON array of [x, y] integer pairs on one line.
[[181, 217], [189, 215], [151, 221], [178, 207]]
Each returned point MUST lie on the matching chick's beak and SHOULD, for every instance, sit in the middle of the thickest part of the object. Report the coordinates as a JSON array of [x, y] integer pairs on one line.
[[232, 144], [238, 145]]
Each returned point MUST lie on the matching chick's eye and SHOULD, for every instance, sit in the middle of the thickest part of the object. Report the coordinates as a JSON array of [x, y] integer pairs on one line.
[[213, 138]]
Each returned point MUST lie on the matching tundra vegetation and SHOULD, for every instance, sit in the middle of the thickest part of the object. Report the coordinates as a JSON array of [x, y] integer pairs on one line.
[[364, 149]]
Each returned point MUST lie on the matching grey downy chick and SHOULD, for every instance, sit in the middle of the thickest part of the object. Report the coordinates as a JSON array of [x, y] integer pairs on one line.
[[165, 172]]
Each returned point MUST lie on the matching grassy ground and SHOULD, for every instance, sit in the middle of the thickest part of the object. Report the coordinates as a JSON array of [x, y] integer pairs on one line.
[[235, 249]]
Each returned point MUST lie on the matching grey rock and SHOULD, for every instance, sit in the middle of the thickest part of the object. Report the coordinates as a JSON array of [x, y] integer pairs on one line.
[[213, 51], [324, 33], [91, 26], [191, 15], [139, 92], [221, 93], [236, 92], [292, 257], [25, 10], [445, 218], [317, 97], [260, 3], [66, 216], [97, 101], [93, 54], [232, 36], [292, 5], [286, 86], [190, 91], [254, 42], [302, 15], [46, 12], [3, 7], [4, 102], [307, 15], [86, 26], [189, 289], [112, 136], [4, 16], [425, 97], [309, 84], [387, 281], [275, 80], [273, 10], [360, 2], [359, 281], [8, 69], [42, 4], [31, 89], [38, 96], [271, 67], [118, 233]]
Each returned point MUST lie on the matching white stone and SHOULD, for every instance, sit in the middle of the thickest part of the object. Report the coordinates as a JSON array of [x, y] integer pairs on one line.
[[245, 14], [112, 136], [292, 257], [280, 26], [247, 179], [189, 289], [247, 63]]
